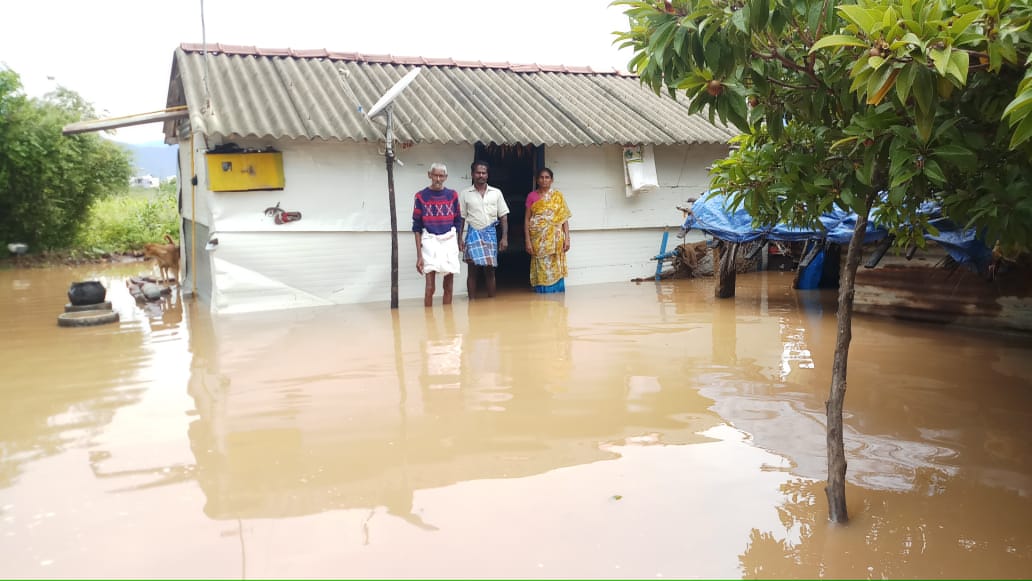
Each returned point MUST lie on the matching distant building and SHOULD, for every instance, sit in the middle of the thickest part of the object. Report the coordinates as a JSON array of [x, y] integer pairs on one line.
[[144, 182]]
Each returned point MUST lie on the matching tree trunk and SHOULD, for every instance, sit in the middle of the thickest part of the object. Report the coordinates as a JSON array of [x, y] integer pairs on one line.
[[836, 488], [726, 271]]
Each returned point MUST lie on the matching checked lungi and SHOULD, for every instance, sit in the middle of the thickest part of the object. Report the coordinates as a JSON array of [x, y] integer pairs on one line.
[[482, 246]]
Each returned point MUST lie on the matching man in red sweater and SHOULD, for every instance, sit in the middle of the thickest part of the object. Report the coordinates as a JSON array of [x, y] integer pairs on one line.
[[436, 222]]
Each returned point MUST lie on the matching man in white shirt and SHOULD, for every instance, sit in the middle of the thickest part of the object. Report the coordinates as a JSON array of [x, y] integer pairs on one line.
[[483, 208]]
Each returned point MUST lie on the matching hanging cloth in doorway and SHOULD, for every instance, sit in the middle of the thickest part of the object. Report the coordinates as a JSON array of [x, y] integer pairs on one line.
[[639, 169]]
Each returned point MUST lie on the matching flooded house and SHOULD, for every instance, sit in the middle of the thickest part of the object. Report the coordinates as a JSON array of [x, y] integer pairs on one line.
[[270, 134]]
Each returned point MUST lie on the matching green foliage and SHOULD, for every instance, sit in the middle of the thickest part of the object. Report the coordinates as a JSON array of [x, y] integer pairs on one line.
[[924, 100], [124, 223], [48, 180], [879, 105], [169, 187]]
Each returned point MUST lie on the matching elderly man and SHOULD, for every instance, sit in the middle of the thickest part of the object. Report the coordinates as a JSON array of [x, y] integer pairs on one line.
[[483, 207], [437, 222]]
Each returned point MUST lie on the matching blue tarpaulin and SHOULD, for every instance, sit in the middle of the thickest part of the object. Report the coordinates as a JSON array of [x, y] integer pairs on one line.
[[710, 214]]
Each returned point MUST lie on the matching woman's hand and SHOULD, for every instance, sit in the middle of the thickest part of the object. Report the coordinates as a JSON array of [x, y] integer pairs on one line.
[[419, 264], [566, 243], [529, 247]]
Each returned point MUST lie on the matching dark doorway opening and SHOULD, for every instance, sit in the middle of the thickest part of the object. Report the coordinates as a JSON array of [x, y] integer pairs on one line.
[[512, 170]]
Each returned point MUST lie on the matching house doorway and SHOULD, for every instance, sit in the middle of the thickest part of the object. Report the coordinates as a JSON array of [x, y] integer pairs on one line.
[[512, 170]]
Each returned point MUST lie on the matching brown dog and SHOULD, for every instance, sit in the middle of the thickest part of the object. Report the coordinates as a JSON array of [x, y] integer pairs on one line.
[[167, 257]]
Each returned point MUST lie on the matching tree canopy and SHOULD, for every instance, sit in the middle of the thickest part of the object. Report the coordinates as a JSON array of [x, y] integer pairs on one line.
[[883, 103], [882, 107], [48, 180]]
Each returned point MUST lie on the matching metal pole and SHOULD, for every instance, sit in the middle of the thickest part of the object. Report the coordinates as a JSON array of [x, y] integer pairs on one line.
[[389, 151]]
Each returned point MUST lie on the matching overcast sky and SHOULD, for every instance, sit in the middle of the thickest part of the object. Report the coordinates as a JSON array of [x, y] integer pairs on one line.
[[118, 53]]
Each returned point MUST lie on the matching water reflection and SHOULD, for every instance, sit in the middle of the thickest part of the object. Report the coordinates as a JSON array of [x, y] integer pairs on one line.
[[619, 430], [553, 349], [487, 365], [477, 393], [725, 334], [905, 413], [62, 385], [894, 536], [442, 353], [166, 313]]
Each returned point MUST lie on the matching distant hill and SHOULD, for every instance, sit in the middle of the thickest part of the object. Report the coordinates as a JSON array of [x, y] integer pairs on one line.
[[155, 159]]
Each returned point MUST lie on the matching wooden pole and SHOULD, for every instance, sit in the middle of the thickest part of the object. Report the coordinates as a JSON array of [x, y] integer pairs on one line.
[[394, 214], [726, 273]]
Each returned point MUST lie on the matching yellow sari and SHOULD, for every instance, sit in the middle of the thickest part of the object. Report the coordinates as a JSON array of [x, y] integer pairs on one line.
[[548, 264]]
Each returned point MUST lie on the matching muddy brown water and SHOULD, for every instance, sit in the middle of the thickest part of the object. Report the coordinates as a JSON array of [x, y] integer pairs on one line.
[[621, 430]]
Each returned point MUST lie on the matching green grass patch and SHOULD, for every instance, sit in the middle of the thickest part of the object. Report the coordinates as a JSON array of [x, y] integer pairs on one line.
[[123, 223]]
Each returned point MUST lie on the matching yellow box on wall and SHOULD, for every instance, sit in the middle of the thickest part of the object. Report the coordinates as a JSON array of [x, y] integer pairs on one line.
[[240, 172]]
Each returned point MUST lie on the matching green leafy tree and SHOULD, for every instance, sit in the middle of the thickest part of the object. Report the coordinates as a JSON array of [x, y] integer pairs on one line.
[[874, 106], [48, 180]]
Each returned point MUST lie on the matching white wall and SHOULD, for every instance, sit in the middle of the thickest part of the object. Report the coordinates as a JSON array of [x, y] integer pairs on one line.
[[592, 181], [613, 236], [339, 252], [195, 199], [196, 273], [598, 256], [338, 187], [257, 271]]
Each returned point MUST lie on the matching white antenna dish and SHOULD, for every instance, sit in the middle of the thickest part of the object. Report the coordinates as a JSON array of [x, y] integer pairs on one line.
[[392, 93]]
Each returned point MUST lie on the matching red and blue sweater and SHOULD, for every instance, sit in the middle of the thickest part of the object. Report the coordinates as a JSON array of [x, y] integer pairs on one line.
[[436, 212]]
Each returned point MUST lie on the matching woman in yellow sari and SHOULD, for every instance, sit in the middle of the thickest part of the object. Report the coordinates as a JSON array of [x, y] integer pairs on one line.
[[546, 227]]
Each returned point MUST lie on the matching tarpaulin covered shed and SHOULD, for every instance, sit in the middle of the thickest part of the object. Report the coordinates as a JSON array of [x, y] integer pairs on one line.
[[713, 215]]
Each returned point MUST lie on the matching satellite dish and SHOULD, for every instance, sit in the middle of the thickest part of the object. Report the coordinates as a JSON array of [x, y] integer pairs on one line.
[[392, 93], [384, 106]]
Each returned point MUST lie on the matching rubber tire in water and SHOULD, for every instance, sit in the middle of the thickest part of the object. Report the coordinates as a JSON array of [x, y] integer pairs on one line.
[[86, 318]]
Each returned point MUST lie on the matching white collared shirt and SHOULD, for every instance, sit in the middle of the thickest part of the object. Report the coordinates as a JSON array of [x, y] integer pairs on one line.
[[479, 211]]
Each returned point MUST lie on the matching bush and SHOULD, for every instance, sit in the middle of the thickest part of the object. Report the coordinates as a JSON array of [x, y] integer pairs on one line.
[[48, 180], [124, 223]]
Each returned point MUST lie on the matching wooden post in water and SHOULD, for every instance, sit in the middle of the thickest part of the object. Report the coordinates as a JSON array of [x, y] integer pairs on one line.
[[726, 274], [389, 155], [386, 105]]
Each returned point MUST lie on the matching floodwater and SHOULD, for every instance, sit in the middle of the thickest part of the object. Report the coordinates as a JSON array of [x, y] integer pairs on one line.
[[622, 430]]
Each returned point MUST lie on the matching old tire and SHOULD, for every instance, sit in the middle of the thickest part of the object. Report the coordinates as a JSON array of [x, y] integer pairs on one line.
[[104, 306], [87, 318]]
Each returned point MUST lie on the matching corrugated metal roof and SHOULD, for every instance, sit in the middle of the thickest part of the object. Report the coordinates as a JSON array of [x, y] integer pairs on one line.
[[316, 94]]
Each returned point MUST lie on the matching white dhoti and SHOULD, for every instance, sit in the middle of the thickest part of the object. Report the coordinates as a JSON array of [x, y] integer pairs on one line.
[[440, 252]]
